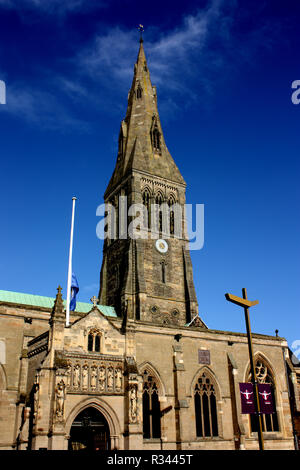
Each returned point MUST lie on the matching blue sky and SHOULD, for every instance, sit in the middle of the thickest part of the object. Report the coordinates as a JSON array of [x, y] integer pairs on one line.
[[223, 71]]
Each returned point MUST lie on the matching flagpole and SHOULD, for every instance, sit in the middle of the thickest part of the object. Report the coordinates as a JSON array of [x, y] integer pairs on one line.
[[70, 265]]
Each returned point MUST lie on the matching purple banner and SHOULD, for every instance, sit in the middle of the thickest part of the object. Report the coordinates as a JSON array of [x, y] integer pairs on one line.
[[265, 399], [247, 398]]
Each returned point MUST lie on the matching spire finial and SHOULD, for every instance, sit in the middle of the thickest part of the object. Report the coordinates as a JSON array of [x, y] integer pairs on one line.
[[141, 30]]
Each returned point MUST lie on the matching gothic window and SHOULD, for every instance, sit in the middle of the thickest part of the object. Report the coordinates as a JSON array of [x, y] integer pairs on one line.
[[147, 205], [151, 408], [94, 341], [155, 135], [90, 342], [139, 92], [156, 138], [205, 407], [97, 343], [269, 421], [171, 203], [158, 202]]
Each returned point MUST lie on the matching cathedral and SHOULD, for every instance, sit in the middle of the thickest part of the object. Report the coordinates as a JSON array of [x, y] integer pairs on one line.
[[137, 368]]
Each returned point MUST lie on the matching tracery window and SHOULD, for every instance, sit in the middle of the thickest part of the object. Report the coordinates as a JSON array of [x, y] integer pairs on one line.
[[151, 408], [264, 376], [205, 407], [94, 341]]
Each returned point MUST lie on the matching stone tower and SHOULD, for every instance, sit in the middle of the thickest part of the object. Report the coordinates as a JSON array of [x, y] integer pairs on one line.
[[151, 279]]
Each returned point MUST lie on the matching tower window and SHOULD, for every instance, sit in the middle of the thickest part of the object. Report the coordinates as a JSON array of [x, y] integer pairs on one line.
[[163, 272], [205, 407], [158, 202], [139, 92], [147, 205], [156, 138]]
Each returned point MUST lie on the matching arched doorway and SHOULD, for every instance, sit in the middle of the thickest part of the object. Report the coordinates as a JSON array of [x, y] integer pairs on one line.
[[89, 431]]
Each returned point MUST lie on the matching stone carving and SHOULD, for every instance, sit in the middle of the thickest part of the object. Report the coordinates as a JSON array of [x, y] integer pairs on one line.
[[36, 392], [85, 377], [60, 400], [110, 378], [76, 376], [94, 377], [133, 404], [118, 378], [68, 375]]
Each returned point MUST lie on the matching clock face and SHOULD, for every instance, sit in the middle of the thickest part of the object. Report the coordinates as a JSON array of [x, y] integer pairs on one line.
[[161, 245]]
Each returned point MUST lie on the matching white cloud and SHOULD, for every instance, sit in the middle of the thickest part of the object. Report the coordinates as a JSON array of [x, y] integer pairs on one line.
[[174, 57], [41, 108], [52, 6]]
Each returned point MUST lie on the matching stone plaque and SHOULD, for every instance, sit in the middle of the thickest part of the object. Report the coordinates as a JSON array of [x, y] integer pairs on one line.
[[203, 356]]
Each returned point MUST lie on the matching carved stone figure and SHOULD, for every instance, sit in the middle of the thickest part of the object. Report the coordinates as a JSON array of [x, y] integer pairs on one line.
[[85, 377], [133, 404], [118, 378], [102, 378], [36, 390], [110, 378], [60, 399], [68, 375], [94, 377], [76, 376]]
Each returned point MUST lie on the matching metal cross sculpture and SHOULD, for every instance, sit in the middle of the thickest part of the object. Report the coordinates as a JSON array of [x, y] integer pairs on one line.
[[94, 300], [246, 304]]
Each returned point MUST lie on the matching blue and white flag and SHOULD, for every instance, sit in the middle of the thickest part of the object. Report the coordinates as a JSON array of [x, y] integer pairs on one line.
[[74, 292]]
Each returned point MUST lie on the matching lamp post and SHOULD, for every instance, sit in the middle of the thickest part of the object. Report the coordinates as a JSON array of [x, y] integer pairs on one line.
[[246, 304]]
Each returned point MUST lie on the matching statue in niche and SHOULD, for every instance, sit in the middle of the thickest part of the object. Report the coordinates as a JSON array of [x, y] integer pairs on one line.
[[36, 390], [68, 375], [118, 378], [133, 404], [76, 376], [94, 377], [110, 378], [102, 378], [85, 377], [60, 399]]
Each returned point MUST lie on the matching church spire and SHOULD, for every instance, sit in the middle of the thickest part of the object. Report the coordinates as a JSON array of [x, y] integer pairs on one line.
[[141, 141]]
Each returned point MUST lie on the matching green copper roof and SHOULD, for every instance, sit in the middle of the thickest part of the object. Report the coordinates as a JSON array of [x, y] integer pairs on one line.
[[47, 302]]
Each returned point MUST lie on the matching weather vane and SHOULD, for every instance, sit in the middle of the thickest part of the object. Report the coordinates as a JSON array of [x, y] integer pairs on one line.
[[141, 30]]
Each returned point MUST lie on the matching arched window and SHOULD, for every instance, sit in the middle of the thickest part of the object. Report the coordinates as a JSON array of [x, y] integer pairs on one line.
[[158, 202], [151, 408], [94, 341], [156, 139], [97, 343], [90, 342], [205, 407], [171, 203], [264, 376], [139, 92], [147, 205]]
